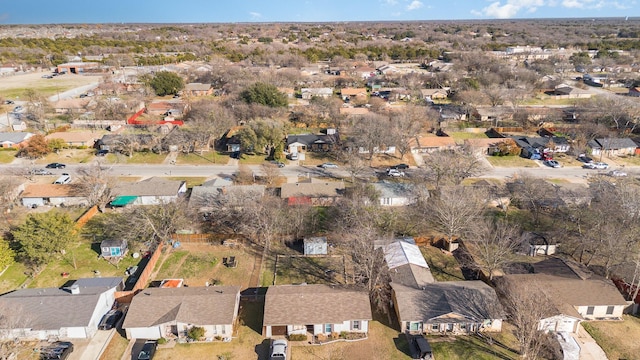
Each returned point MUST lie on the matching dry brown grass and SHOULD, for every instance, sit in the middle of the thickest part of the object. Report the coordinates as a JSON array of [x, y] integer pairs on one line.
[[618, 339]]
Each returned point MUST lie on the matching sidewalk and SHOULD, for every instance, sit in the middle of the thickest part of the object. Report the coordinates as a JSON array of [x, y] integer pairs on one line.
[[589, 349]]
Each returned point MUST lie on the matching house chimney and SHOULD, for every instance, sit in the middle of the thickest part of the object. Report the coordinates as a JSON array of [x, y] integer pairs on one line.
[[75, 289]]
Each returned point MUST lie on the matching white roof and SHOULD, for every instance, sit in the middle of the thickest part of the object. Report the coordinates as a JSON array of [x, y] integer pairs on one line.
[[402, 253]]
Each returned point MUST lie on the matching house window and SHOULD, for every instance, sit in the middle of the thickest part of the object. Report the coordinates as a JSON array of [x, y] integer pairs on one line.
[[590, 310], [610, 310], [327, 328], [355, 325], [435, 327], [463, 326], [386, 201], [223, 330], [414, 326]]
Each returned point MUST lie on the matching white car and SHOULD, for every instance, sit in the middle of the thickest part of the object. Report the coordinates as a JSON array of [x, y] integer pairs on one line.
[[617, 173], [328, 166], [552, 163], [395, 173], [278, 350]]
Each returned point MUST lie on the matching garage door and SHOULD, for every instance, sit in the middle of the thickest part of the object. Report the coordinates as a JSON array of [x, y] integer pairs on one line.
[[278, 330], [566, 325], [145, 333]]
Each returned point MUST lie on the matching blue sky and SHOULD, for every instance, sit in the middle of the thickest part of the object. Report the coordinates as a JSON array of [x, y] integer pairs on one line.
[[189, 11]]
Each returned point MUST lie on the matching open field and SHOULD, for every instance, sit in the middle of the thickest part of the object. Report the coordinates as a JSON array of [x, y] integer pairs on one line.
[[201, 263], [618, 339], [13, 87]]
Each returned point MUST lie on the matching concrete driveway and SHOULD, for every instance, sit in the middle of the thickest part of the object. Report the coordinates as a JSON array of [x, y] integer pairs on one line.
[[92, 349]]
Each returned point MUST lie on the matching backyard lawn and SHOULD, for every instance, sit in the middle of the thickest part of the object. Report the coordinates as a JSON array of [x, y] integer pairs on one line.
[[201, 263], [444, 267], [13, 277], [618, 339], [311, 270]]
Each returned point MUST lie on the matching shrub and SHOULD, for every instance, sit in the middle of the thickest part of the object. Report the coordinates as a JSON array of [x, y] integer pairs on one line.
[[162, 341], [195, 333], [343, 334], [297, 337]]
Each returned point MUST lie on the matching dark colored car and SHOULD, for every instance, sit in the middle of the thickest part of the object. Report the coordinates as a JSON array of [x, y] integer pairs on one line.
[[56, 166], [585, 159], [400, 167], [148, 350], [57, 351], [278, 163], [110, 319], [102, 152]]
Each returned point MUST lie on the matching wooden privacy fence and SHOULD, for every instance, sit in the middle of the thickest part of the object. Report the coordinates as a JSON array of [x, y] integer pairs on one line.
[[143, 279], [84, 218]]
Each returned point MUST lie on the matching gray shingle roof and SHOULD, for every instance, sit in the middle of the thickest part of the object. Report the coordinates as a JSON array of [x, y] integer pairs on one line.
[[314, 304], [211, 305], [53, 308], [14, 137], [149, 187], [613, 143], [473, 300]]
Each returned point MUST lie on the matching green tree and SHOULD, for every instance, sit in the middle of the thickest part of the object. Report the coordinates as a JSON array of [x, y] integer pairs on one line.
[[166, 83], [248, 140], [195, 333], [7, 255], [264, 94], [43, 236], [56, 145]]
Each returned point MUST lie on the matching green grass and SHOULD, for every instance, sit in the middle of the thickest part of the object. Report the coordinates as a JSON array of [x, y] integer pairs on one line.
[[618, 339], [195, 264], [468, 347], [511, 161], [13, 277], [7, 156], [86, 260], [252, 159], [444, 267], [71, 156], [191, 180], [311, 270], [143, 158], [171, 264], [207, 158]]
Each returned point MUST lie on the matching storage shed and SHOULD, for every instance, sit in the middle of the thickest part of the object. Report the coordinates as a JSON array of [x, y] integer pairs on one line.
[[315, 246], [113, 248]]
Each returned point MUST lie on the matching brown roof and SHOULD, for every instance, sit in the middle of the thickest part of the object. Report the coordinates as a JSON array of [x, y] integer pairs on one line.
[[422, 141], [353, 91], [313, 189], [211, 305], [485, 143], [50, 190], [314, 304], [71, 103], [149, 187]]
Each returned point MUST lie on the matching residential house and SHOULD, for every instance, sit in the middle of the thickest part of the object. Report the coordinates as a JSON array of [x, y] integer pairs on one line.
[[175, 108], [72, 106], [114, 248], [135, 142], [494, 114], [353, 94], [450, 113], [434, 94], [315, 245], [299, 144], [316, 193], [363, 72], [450, 307], [71, 312], [572, 292], [537, 145], [206, 197], [169, 313], [387, 69], [309, 93], [564, 91], [423, 143], [14, 139], [315, 309], [17, 125], [489, 146], [612, 146], [76, 138], [395, 193], [197, 89], [406, 264], [35, 195], [152, 191], [231, 141], [78, 67]]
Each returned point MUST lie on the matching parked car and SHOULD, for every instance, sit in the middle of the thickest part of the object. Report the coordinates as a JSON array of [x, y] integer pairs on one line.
[[596, 165], [47, 76], [278, 350], [59, 350], [56, 166], [617, 173], [18, 109], [293, 156], [9, 102], [131, 270], [395, 173], [552, 163], [328, 165], [420, 348], [148, 351], [277, 163], [400, 167], [63, 179], [110, 320], [584, 158], [82, 96], [102, 152], [41, 172]]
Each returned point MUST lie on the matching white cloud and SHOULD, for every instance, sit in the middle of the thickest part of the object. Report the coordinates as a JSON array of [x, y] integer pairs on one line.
[[255, 15], [510, 8], [415, 5], [389, 2]]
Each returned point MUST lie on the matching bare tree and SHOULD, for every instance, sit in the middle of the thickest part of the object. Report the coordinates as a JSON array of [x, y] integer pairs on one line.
[[95, 184], [493, 244], [270, 173], [451, 167], [454, 209]]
